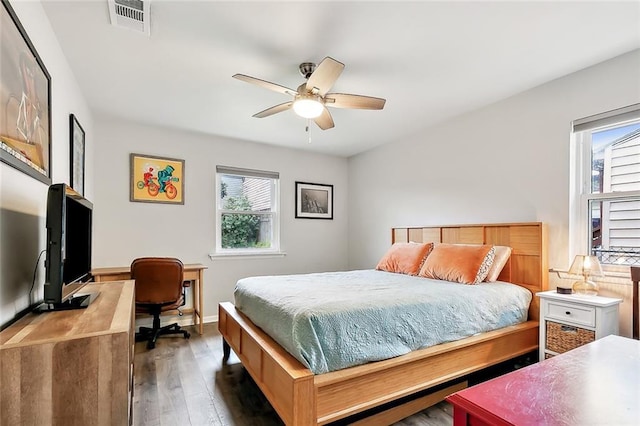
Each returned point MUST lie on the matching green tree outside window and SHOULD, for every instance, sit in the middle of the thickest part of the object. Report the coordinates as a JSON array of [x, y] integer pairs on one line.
[[239, 230]]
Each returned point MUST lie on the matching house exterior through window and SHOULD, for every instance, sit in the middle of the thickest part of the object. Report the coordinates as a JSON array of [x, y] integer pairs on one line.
[[247, 219], [605, 205]]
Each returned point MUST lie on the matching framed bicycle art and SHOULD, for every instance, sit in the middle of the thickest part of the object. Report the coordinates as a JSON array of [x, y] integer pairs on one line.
[[156, 179], [25, 96]]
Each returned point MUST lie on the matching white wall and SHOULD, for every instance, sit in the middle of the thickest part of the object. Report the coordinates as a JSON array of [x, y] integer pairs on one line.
[[124, 230], [22, 198], [507, 162]]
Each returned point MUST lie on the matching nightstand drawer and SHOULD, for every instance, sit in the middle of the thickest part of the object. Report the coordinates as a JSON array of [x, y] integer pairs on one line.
[[584, 315], [562, 337]]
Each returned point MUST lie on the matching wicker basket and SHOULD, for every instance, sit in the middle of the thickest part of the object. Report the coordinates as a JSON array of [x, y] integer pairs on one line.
[[562, 337], [547, 356]]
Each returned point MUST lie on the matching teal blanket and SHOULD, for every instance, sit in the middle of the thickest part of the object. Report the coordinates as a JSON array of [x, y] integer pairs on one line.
[[334, 320]]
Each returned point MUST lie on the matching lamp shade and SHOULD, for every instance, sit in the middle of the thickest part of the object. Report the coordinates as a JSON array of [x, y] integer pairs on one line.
[[586, 266]]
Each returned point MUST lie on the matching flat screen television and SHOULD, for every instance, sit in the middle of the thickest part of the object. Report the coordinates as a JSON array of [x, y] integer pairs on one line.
[[68, 251]]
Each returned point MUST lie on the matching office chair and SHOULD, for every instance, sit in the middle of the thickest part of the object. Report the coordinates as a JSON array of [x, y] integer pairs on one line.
[[159, 282], [635, 280]]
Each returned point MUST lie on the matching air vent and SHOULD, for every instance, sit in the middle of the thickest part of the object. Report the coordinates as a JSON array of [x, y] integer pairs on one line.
[[131, 14]]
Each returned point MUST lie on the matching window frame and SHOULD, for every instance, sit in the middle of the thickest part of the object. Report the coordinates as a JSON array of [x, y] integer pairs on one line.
[[274, 250], [580, 191]]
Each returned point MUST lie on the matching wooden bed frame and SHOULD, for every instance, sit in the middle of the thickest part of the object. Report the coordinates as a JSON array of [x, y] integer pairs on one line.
[[301, 398]]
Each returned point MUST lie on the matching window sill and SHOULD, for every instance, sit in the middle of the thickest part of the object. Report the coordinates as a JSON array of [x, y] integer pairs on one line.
[[246, 255]]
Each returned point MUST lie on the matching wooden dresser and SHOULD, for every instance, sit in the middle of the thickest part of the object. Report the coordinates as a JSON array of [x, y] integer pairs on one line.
[[71, 367]]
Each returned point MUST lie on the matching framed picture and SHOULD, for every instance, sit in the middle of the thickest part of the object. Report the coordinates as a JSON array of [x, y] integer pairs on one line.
[[25, 96], [156, 179], [76, 149], [314, 201]]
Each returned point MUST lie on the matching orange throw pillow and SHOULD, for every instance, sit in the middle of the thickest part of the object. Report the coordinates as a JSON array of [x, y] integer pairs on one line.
[[458, 263], [404, 258]]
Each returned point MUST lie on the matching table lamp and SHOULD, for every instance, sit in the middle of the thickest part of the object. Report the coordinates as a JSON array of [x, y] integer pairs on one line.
[[586, 266]]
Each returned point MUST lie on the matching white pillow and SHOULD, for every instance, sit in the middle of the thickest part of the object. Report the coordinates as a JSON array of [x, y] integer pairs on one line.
[[501, 257]]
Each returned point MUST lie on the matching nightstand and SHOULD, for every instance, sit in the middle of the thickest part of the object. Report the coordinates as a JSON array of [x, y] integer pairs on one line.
[[571, 320]]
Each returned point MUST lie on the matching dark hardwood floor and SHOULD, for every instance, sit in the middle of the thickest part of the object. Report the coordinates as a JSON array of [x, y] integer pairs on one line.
[[184, 382]]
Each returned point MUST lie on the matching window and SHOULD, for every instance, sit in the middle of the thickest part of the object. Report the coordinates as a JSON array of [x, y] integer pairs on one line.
[[247, 211], [605, 207]]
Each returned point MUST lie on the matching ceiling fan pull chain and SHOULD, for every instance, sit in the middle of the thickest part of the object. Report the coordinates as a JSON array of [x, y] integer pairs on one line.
[[308, 130]]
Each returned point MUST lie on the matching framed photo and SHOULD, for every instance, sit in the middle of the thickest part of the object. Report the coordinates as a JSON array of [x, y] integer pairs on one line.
[[156, 179], [314, 201], [76, 149], [25, 96]]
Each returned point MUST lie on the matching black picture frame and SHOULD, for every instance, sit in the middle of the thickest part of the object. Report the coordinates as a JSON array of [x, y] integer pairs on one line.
[[25, 96], [314, 201], [76, 157]]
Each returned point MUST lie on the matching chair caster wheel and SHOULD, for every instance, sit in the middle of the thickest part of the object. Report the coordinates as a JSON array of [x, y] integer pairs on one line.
[[151, 345], [187, 335]]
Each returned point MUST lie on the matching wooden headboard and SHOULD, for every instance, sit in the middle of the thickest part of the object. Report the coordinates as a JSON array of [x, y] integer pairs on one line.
[[527, 266]]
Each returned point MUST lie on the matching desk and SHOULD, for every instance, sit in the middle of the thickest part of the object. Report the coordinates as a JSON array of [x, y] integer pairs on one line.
[[193, 272], [594, 384]]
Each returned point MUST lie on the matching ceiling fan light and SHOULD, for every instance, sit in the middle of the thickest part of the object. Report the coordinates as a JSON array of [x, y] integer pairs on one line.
[[308, 108]]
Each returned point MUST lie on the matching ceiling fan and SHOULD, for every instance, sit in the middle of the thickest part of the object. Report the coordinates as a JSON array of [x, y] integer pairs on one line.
[[311, 99]]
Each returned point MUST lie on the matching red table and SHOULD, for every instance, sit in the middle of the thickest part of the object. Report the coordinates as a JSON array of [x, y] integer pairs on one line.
[[595, 384]]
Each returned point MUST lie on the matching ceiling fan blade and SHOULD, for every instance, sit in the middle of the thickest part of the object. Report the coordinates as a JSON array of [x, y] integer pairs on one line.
[[274, 110], [266, 84], [324, 76], [344, 100], [324, 121]]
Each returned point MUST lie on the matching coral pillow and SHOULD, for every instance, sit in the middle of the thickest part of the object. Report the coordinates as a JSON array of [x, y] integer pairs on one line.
[[404, 258], [458, 263], [502, 256]]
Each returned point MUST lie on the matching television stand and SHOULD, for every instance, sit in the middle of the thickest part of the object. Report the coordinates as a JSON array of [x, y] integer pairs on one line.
[[72, 368], [80, 301]]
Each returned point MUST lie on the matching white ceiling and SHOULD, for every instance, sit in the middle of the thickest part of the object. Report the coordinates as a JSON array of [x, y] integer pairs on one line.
[[430, 60]]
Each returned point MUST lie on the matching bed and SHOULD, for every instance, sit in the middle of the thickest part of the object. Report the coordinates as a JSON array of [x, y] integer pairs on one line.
[[303, 398]]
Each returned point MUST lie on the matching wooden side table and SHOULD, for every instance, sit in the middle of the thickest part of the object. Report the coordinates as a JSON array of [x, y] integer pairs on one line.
[[568, 321]]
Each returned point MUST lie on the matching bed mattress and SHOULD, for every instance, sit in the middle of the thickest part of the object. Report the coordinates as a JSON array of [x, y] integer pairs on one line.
[[334, 320]]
